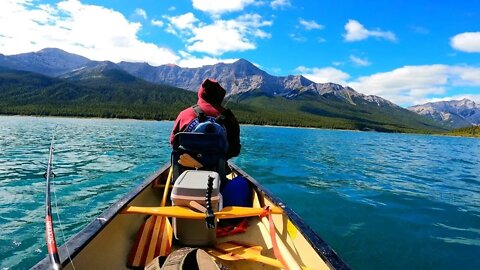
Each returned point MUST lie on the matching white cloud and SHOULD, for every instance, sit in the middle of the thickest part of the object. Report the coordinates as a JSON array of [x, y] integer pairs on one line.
[[415, 84], [466, 42], [141, 12], [309, 25], [222, 35], [92, 31], [405, 84], [298, 38], [359, 61], [183, 22], [218, 7], [157, 23], [192, 62], [324, 75], [276, 4], [464, 75], [355, 31]]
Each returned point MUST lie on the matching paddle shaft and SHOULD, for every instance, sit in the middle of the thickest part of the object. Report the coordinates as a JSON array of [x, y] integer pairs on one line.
[[185, 212], [167, 186]]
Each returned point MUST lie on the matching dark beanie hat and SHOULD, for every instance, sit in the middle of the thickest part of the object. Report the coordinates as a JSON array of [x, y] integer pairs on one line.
[[212, 92]]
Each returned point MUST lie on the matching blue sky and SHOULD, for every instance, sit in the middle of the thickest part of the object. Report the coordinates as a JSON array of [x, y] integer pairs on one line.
[[409, 52]]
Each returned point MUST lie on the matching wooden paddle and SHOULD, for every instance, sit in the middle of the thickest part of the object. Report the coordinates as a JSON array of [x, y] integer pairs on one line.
[[233, 251], [154, 237]]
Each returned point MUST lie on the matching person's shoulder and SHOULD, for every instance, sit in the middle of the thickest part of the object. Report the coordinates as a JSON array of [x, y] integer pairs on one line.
[[187, 112]]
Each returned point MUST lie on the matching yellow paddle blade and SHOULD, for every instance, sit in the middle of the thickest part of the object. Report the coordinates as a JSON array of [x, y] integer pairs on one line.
[[188, 161], [185, 212], [233, 251]]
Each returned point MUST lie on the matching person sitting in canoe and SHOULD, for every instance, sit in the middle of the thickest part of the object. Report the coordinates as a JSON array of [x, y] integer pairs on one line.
[[209, 106]]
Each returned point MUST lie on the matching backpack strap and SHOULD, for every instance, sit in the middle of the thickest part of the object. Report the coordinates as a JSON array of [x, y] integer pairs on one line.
[[223, 116], [199, 113]]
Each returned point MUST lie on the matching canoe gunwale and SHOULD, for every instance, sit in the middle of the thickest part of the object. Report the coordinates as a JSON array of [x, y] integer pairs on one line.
[[77, 242], [318, 244]]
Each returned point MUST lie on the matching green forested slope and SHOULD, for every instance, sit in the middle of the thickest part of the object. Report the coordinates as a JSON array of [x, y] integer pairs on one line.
[[109, 96], [473, 131], [318, 111]]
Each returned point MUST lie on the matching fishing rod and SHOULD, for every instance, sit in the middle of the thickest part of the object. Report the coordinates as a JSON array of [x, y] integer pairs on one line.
[[49, 231]]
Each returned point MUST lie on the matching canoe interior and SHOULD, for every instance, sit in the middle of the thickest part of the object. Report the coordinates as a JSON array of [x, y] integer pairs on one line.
[[106, 242]]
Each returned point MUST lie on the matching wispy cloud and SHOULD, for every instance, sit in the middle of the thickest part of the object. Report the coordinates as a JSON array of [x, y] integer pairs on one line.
[[141, 13], [297, 37], [221, 36], [359, 61], [278, 4], [324, 75], [309, 25], [157, 23], [185, 22], [466, 42], [96, 32], [219, 7], [420, 29], [355, 31], [191, 61]]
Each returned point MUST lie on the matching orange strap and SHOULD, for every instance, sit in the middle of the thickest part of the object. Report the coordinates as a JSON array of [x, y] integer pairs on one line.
[[273, 236]]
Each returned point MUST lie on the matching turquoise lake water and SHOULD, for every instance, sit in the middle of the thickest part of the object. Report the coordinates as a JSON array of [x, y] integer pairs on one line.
[[382, 201]]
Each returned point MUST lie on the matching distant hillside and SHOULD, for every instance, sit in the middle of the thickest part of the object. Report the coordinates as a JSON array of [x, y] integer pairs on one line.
[[112, 93], [318, 111], [52, 62], [454, 113], [473, 131], [73, 85]]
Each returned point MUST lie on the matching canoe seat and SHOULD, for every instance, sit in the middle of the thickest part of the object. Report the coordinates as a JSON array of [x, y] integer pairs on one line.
[[150, 242]]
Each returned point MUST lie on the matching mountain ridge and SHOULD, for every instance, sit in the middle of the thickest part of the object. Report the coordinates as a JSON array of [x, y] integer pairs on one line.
[[237, 77], [256, 96], [454, 113]]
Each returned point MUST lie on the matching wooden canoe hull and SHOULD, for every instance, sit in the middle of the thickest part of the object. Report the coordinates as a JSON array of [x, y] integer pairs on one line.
[[105, 243]]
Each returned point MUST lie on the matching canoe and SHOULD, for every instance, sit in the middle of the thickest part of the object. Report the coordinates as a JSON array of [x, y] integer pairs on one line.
[[106, 242]]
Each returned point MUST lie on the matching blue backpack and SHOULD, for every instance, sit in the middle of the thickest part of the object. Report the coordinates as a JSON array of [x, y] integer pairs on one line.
[[206, 124]]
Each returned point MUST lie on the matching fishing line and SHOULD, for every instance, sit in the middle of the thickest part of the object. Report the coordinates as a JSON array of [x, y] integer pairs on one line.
[[55, 200], [60, 222]]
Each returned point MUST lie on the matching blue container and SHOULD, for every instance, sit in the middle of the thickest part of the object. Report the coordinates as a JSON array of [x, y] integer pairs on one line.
[[237, 192]]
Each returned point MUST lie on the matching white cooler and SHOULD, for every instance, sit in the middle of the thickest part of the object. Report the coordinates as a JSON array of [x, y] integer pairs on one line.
[[191, 185]]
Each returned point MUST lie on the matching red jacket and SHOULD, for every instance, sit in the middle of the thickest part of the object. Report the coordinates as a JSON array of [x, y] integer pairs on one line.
[[210, 97]]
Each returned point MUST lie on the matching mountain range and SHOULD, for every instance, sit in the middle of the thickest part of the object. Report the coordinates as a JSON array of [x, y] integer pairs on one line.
[[454, 113], [256, 96]]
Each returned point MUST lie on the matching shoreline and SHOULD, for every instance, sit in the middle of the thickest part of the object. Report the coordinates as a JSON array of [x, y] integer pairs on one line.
[[268, 125]]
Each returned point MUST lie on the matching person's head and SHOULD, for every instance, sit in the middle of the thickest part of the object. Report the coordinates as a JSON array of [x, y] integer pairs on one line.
[[212, 92]]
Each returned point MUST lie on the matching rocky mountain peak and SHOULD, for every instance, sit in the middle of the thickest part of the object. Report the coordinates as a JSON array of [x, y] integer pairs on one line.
[[243, 67], [455, 113]]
